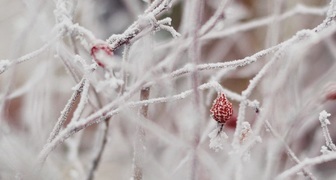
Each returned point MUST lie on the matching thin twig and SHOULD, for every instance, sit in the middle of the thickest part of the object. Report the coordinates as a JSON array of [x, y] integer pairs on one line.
[[124, 70], [137, 27], [65, 111], [97, 159], [324, 124], [247, 92], [83, 101], [139, 143], [30, 55], [307, 162], [218, 15], [76, 126], [289, 150], [194, 54], [299, 9]]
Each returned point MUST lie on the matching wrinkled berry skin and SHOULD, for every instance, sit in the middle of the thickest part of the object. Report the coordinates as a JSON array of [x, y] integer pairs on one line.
[[221, 110]]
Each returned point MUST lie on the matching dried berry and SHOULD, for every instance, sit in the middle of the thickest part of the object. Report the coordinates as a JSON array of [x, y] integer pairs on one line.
[[221, 110], [100, 53]]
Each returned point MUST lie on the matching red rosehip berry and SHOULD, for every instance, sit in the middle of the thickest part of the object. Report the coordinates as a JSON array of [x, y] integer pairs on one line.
[[221, 110]]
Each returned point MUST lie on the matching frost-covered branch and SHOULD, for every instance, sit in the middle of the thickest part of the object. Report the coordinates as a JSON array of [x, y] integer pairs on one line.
[[324, 124], [305, 163], [101, 148], [298, 9], [218, 15], [83, 101], [74, 127], [289, 150], [221, 65], [65, 112], [245, 26], [139, 154], [145, 21], [183, 77], [247, 92], [5, 64]]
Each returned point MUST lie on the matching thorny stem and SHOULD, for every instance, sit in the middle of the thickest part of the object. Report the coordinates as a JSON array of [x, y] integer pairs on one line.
[[139, 144]]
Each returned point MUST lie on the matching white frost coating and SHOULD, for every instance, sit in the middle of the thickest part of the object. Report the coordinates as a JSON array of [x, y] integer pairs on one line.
[[305, 33], [171, 30], [324, 123], [110, 82], [255, 104], [324, 150], [217, 139], [324, 118], [4, 65], [149, 18], [246, 132], [76, 87], [166, 21], [113, 83], [83, 101]]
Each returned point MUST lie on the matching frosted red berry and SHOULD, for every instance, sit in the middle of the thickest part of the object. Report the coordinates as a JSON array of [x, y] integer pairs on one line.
[[221, 110], [100, 48]]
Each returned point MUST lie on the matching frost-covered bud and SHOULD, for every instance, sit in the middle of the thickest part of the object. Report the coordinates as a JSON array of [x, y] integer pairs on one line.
[[221, 110]]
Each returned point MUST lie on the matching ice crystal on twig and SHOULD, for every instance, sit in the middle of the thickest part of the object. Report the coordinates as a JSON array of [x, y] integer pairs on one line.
[[217, 138], [324, 123]]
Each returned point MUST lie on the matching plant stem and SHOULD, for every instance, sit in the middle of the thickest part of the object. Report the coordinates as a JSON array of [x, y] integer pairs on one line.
[[139, 144]]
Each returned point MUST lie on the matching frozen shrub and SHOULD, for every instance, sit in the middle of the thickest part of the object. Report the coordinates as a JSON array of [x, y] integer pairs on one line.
[[125, 89]]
